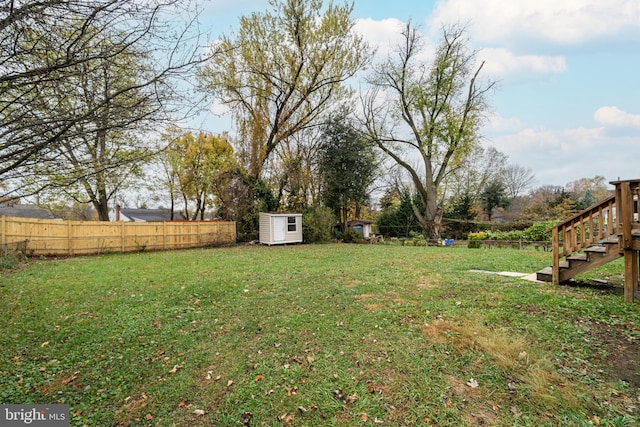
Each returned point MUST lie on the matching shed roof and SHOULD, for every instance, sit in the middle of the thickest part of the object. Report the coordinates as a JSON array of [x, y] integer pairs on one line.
[[282, 213], [360, 222]]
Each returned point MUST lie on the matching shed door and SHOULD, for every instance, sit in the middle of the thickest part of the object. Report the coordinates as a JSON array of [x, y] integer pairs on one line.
[[279, 224]]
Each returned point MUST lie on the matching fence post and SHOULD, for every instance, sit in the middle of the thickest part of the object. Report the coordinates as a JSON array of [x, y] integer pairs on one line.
[[3, 233], [164, 235], [70, 237], [122, 236]]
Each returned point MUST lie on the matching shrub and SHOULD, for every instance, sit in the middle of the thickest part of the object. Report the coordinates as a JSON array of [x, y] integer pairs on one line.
[[11, 260], [539, 232], [480, 235], [351, 236], [317, 225], [475, 239]]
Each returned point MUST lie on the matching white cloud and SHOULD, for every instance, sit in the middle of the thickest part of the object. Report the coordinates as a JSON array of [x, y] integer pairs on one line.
[[497, 124], [564, 155], [556, 21], [501, 62], [381, 34], [615, 117], [386, 35]]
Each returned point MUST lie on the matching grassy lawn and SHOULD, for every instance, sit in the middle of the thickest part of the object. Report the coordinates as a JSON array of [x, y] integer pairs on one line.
[[319, 335]]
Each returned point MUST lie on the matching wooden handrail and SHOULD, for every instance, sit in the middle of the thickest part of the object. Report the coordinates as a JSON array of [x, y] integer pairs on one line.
[[614, 216]]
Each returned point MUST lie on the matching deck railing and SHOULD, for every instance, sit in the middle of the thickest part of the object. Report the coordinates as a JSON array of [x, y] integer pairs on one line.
[[614, 216], [627, 196]]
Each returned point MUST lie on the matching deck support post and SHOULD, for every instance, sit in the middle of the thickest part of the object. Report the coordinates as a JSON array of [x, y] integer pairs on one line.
[[630, 274]]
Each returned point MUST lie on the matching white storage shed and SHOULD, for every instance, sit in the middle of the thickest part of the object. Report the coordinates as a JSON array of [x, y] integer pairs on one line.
[[280, 228]]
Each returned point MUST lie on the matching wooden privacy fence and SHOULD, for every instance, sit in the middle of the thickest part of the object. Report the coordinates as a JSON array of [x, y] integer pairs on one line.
[[57, 237]]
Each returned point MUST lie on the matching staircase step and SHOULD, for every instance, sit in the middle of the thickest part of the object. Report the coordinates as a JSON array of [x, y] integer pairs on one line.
[[545, 275], [596, 249], [578, 257]]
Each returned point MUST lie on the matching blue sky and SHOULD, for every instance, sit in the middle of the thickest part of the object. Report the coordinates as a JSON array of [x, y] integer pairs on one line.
[[568, 100]]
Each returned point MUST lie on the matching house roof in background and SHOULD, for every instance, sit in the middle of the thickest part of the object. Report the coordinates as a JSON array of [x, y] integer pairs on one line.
[[148, 215], [25, 211]]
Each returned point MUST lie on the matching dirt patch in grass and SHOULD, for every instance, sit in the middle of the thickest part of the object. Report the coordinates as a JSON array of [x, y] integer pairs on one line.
[[621, 348], [132, 410], [475, 414], [373, 307], [428, 285], [533, 372]]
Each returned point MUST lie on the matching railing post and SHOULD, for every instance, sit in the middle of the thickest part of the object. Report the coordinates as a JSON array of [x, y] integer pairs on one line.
[[626, 213], [555, 247]]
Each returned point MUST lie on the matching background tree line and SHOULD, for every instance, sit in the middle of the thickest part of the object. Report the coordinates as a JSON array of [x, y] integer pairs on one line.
[[92, 92]]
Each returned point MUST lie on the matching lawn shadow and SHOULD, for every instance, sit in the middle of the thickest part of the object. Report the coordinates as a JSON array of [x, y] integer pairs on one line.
[[602, 286]]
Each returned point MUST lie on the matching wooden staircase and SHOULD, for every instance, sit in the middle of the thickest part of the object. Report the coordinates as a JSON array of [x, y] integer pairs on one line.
[[600, 234]]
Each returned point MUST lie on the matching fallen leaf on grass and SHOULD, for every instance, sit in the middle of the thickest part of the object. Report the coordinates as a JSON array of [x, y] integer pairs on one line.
[[286, 418], [229, 383], [148, 417], [259, 378], [472, 383], [198, 412], [70, 378], [340, 395], [245, 418], [596, 420], [291, 391], [175, 369], [373, 389], [364, 417]]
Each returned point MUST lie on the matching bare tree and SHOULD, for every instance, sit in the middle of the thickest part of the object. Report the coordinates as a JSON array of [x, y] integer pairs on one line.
[[427, 112], [516, 179], [49, 45]]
